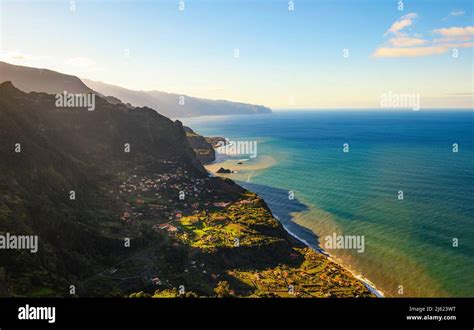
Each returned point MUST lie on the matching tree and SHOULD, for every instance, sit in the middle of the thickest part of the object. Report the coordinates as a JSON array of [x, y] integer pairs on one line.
[[223, 290]]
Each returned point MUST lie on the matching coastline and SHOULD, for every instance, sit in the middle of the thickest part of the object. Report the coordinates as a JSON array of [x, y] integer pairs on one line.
[[367, 283]]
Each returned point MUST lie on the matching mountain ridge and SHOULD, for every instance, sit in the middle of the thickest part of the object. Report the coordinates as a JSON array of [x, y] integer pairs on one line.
[[176, 105], [183, 227], [29, 79]]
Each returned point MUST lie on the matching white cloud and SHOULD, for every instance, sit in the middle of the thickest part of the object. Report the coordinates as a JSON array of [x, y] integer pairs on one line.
[[469, 44], [20, 58], [418, 51], [407, 42], [454, 32], [409, 52], [403, 45], [457, 13], [451, 39], [79, 66], [402, 23]]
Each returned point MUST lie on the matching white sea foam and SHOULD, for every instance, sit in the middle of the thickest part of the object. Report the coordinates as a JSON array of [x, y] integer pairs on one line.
[[368, 284]]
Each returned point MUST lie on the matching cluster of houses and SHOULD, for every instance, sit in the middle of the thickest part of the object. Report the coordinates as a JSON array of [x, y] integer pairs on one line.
[[167, 227], [221, 204], [164, 197]]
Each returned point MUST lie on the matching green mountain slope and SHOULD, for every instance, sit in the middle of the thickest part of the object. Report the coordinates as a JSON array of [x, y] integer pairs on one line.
[[149, 220]]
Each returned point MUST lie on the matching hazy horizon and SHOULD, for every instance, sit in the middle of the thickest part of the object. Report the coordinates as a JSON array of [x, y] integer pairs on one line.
[[324, 55]]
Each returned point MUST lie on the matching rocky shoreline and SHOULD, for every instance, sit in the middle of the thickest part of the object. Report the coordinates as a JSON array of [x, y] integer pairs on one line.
[[146, 219], [301, 244]]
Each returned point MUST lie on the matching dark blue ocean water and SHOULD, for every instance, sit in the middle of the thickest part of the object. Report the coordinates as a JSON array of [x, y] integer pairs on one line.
[[408, 243]]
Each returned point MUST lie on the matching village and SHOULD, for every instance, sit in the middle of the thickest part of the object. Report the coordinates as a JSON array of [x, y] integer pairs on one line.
[[212, 239]]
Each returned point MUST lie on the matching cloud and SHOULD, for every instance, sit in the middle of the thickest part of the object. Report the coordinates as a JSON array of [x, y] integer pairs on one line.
[[418, 51], [79, 66], [13, 56], [18, 57], [457, 13], [454, 13], [451, 39], [454, 32], [460, 45], [407, 42], [402, 23], [409, 52], [404, 45]]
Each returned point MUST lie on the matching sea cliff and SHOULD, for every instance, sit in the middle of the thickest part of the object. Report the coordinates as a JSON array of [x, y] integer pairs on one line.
[[146, 218]]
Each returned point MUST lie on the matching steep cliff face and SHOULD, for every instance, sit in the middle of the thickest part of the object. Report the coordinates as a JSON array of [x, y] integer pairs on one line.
[[97, 137], [87, 182], [48, 152], [203, 149]]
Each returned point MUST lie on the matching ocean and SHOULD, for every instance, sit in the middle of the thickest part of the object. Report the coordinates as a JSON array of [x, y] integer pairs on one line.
[[418, 244]]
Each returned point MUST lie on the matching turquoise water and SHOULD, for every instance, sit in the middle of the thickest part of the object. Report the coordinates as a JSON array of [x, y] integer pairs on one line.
[[408, 243]]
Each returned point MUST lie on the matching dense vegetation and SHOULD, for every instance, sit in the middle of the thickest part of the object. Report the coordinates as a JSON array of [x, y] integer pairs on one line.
[[203, 149], [191, 235], [64, 149]]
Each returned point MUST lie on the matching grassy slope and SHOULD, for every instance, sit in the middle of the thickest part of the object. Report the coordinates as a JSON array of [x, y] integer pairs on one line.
[[82, 241]]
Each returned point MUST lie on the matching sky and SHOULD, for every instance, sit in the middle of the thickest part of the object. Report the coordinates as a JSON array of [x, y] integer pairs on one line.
[[321, 54]]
